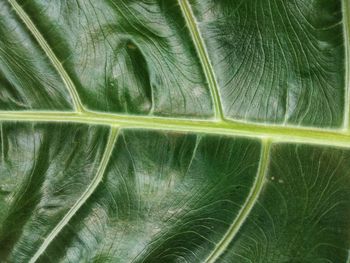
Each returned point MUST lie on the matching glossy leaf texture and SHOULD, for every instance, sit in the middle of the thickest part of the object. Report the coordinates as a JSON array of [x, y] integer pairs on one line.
[[174, 131]]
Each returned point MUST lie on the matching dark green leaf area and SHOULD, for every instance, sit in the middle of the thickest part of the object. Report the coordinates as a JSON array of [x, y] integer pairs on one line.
[[27, 79], [166, 197], [133, 57], [277, 61], [302, 214], [44, 169]]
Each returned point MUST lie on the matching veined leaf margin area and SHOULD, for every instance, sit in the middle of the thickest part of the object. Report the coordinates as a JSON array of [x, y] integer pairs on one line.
[[219, 126]]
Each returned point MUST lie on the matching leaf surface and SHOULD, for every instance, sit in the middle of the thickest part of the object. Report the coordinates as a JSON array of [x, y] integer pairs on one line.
[[174, 131]]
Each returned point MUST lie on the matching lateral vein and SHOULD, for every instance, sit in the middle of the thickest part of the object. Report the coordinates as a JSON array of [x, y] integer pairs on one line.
[[346, 32], [247, 206], [50, 54], [83, 198], [203, 56]]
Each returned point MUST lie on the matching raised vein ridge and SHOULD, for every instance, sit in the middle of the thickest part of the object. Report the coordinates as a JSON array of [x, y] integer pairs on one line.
[[292, 134], [87, 193], [346, 30], [50, 54], [247, 206], [203, 56]]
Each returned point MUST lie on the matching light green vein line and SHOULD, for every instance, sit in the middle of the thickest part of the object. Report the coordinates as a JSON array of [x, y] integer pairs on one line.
[[292, 134], [346, 30], [247, 207], [203, 55], [50, 54], [83, 198]]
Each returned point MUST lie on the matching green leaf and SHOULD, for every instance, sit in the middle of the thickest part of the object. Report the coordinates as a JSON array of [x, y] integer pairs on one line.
[[174, 131]]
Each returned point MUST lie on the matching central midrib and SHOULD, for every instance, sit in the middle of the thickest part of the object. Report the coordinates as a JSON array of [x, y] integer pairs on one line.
[[292, 134]]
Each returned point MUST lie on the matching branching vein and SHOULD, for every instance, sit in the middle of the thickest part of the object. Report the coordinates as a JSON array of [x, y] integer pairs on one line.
[[50, 54], [87, 193], [204, 57], [246, 208], [346, 26]]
